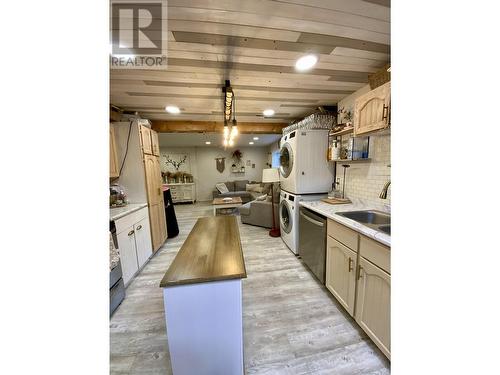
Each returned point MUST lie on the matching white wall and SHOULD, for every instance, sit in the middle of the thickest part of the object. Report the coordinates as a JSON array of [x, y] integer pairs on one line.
[[203, 168], [366, 180]]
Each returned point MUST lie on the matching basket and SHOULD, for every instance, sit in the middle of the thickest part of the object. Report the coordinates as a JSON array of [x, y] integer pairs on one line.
[[379, 78]]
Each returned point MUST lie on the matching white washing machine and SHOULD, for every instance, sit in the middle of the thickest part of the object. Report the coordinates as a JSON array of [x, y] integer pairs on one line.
[[304, 168], [289, 217]]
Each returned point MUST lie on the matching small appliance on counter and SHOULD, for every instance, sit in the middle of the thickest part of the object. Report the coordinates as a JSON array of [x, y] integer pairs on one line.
[[117, 196]]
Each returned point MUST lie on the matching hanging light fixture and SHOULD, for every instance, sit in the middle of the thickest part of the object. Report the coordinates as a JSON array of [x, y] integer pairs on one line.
[[228, 109], [228, 100], [234, 126]]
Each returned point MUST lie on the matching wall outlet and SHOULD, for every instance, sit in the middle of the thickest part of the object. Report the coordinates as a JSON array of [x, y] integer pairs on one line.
[[337, 182]]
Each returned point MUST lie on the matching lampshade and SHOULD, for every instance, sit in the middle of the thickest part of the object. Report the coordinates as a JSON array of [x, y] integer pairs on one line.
[[270, 175]]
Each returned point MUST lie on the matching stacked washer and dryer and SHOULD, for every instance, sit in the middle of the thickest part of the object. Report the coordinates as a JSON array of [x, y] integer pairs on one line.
[[305, 174]]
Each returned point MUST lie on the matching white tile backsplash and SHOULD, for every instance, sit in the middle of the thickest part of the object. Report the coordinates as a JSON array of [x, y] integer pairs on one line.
[[365, 180]]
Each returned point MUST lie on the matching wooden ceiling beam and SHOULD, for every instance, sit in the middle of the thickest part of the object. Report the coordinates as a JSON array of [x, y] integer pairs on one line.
[[163, 126]]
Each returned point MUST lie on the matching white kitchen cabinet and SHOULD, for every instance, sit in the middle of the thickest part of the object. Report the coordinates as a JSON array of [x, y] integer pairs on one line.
[[143, 241], [341, 263], [134, 242], [358, 276], [373, 304], [371, 110], [128, 254]]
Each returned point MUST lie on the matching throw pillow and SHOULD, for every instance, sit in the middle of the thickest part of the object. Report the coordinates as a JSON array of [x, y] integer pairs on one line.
[[261, 198], [266, 188], [222, 188]]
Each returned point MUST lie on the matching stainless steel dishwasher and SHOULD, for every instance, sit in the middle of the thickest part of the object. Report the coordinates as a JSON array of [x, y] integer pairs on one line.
[[312, 241]]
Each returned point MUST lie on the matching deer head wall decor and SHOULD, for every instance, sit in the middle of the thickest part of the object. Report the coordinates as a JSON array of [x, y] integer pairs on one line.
[[175, 164]]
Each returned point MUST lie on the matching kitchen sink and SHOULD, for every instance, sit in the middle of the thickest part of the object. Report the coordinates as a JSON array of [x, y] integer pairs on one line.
[[385, 229], [377, 220], [368, 217]]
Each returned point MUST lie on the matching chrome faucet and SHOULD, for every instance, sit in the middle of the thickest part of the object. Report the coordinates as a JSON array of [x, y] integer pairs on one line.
[[383, 193]]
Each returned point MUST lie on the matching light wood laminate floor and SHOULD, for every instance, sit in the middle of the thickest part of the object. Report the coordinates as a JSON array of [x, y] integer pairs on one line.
[[292, 325]]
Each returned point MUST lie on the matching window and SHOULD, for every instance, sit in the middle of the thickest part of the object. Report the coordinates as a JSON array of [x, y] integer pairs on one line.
[[275, 162]]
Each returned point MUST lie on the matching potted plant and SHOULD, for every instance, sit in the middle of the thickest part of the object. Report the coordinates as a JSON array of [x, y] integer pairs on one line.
[[237, 155], [345, 116]]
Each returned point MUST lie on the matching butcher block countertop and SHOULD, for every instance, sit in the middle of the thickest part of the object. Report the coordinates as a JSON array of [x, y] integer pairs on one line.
[[211, 252]]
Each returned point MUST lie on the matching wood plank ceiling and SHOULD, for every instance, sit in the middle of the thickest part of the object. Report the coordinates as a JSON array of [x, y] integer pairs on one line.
[[255, 44]]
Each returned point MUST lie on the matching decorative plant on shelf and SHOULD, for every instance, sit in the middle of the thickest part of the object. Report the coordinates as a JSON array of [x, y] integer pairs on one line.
[[345, 115], [237, 155], [175, 164]]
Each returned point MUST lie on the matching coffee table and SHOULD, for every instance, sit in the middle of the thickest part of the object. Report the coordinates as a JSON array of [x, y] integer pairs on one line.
[[220, 203]]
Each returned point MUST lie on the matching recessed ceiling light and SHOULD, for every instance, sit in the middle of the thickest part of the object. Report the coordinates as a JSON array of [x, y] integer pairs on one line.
[[250, 143], [208, 142], [172, 109], [268, 112], [306, 62], [255, 138]]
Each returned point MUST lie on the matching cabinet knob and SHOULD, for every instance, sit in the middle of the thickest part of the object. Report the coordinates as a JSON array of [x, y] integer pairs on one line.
[[350, 265], [139, 227], [131, 233]]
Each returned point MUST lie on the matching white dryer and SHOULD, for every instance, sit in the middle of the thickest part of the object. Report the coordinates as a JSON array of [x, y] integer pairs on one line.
[[289, 217], [304, 168]]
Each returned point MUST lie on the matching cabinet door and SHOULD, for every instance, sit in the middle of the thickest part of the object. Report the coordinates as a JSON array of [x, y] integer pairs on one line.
[[153, 186], [147, 147], [373, 304], [154, 143], [114, 168], [163, 222], [143, 243], [371, 111], [128, 256], [158, 225], [341, 273]]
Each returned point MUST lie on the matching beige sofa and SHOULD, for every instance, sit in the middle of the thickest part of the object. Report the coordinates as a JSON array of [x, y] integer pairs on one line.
[[238, 189], [259, 212]]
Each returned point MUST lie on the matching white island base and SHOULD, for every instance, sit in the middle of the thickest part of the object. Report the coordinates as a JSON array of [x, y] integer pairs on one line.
[[205, 327]]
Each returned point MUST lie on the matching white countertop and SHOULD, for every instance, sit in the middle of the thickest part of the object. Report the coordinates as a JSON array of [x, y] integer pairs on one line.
[[329, 211], [116, 213]]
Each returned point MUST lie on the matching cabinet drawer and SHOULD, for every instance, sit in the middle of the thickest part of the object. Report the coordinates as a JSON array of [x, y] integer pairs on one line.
[[343, 234], [376, 253], [129, 220]]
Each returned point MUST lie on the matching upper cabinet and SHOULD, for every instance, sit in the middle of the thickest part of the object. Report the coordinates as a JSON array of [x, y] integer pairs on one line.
[[371, 110], [114, 168], [147, 146], [154, 143], [149, 141]]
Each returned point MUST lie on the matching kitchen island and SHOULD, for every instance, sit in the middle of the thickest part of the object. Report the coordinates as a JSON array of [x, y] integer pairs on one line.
[[203, 301]]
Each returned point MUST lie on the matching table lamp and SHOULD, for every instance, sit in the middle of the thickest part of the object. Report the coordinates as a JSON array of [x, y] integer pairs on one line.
[[271, 175]]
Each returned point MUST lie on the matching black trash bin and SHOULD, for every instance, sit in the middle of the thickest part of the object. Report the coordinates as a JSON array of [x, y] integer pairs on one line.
[[172, 226]]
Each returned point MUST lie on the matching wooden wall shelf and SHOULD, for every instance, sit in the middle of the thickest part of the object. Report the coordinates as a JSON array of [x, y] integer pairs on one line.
[[342, 132]]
